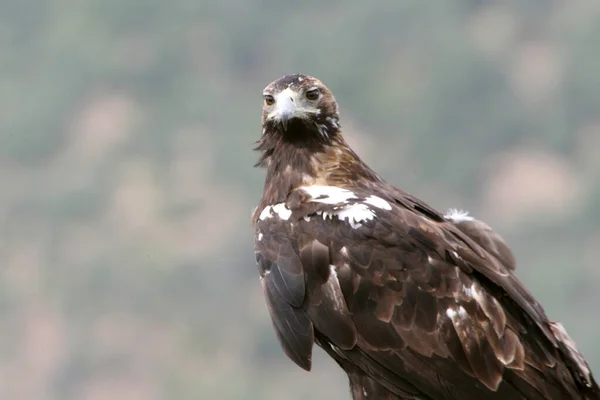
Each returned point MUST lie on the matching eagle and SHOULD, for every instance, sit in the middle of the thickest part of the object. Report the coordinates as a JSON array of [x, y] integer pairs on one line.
[[410, 302]]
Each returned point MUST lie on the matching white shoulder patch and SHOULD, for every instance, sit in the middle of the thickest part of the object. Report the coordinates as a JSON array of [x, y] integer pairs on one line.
[[355, 214], [265, 213], [282, 211], [328, 194], [456, 215], [279, 209], [378, 202], [348, 207]]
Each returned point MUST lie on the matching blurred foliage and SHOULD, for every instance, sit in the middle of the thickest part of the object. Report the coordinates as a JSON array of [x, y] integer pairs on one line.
[[125, 160]]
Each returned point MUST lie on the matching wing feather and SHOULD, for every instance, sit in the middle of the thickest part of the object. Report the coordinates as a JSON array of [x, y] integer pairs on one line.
[[411, 297], [327, 307], [284, 288], [293, 327]]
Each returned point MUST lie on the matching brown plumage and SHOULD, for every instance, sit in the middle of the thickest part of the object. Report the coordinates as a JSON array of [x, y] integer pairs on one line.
[[411, 303]]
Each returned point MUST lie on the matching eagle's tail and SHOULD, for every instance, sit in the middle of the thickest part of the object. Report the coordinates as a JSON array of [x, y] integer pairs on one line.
[[576, 363]]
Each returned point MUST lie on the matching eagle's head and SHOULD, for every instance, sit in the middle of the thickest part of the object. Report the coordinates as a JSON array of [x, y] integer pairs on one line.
[[301, 141], [300, 108]]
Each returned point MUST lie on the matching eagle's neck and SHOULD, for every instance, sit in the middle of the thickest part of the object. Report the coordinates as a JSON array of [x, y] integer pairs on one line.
[[291, 164]]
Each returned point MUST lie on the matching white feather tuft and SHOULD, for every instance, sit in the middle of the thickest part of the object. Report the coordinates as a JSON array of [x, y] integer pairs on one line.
[[456, 215], [328, 194], [378, 202], [265, 213], [282, 211], [355, 214]]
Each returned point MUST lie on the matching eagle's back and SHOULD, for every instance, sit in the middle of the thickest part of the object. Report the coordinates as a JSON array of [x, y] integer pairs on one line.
[[392, 290]]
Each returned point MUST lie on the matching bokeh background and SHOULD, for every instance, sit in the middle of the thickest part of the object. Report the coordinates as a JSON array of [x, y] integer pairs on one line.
[[126, 179]]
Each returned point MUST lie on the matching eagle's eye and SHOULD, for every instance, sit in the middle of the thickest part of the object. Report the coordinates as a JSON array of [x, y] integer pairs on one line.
[[312, 94], [269, 100]]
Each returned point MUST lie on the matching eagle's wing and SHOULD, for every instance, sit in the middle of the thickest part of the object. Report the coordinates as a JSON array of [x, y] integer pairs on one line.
[[283, 280], [411, 299]]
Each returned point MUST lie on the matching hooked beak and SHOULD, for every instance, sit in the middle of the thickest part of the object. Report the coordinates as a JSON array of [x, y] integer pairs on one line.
[[287, 110], [285, 107]]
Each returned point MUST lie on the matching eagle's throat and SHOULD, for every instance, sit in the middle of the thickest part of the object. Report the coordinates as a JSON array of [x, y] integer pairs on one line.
[[290, 166]]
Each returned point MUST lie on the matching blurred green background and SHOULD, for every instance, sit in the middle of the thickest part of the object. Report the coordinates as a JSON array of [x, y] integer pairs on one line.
[[126, 130]]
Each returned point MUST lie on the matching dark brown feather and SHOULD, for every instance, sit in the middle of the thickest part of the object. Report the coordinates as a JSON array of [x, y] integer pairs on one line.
[[327, 308]]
